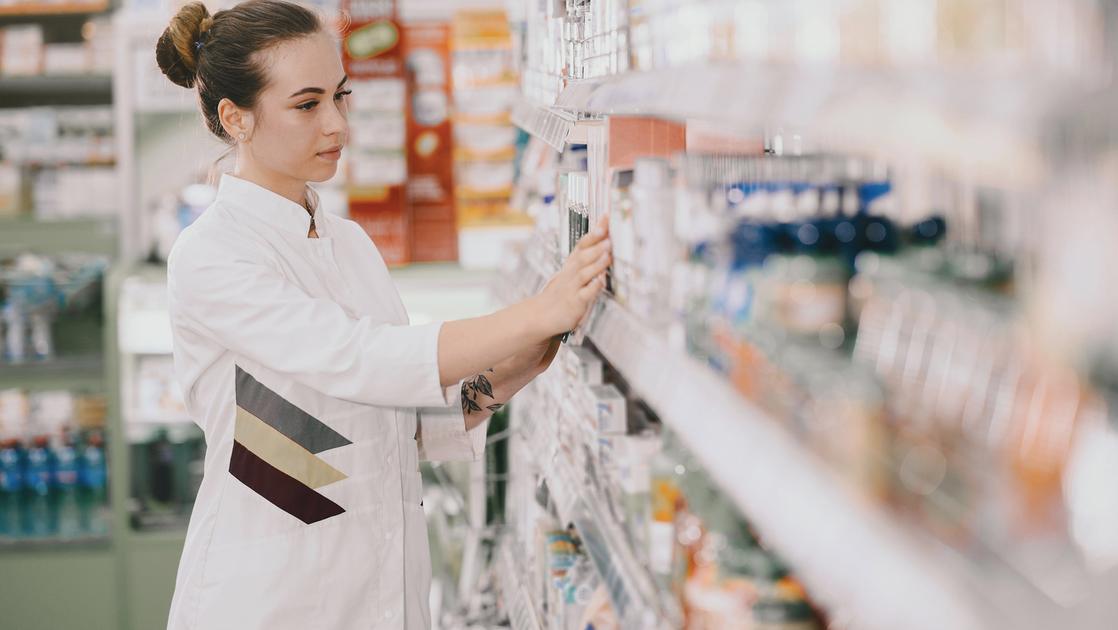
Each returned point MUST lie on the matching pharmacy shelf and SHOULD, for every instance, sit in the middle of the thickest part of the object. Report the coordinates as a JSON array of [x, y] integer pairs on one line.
[[62, 89], [631, 588], [823, 528], [552, 126], [63, 163], [985, 124], [89, 236], [523, 612], [38, 9], [145, 419], [858, 560], [84, 373], [173, 538], [51, 543], [636, 598]]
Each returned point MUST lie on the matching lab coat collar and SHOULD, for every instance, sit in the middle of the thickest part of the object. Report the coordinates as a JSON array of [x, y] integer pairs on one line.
[[268, 207]]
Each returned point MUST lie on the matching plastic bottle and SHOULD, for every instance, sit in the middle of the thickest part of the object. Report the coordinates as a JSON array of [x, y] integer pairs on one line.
[[36, 510], [11, 484], [161, 470], [42, 341], [65, 497], [92, 482], [667, 501], [15, 341]]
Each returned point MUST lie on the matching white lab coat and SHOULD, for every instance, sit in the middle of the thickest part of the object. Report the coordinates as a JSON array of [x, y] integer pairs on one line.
[[318, 401]]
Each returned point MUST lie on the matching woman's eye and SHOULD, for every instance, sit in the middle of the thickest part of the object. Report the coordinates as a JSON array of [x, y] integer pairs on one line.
[[308, 106], [341, 95]]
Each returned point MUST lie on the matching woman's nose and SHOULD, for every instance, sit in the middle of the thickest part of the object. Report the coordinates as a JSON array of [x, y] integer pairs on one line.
[[336, 122]]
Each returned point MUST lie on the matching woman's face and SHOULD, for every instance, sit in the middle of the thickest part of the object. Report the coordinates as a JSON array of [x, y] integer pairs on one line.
[[300, 117]]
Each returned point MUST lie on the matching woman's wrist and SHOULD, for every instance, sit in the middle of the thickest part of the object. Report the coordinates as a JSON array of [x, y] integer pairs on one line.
[[535, 318]]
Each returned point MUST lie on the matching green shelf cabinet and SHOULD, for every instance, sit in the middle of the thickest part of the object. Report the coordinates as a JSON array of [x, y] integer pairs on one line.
[[59, 588], [126, 580], [47, 237], [148, 560]]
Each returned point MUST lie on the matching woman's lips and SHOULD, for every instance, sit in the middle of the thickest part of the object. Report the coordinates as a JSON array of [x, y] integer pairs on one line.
[[333, 154]]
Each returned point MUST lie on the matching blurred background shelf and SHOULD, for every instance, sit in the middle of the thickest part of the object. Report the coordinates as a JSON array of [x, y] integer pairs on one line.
[[915, 572], [546, 123], [57, 90], [636, 599], [41, 9], [16, 545], [48, 237], [79, 373], [988, 124], [522, 609]]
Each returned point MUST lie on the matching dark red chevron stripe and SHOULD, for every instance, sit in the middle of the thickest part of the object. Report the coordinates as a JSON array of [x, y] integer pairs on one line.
[[279, 488]]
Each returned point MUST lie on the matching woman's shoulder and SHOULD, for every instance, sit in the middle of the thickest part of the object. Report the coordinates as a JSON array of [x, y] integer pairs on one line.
[[212, 239], [354, 236], [344, 228]]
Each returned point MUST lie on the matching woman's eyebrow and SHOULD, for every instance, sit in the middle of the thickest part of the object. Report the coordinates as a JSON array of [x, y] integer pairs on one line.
[[317, 90]]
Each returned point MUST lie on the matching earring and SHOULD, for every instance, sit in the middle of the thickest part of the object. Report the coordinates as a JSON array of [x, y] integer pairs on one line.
[[242, 136]]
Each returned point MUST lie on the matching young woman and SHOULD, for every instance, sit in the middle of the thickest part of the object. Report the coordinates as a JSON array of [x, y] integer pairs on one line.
[[294, 352]]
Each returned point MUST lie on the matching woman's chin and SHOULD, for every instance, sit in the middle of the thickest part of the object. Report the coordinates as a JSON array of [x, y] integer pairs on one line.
[[323, 173]]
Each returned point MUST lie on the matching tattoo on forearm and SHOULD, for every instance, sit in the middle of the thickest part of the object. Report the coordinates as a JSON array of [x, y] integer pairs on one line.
[[479, 386]]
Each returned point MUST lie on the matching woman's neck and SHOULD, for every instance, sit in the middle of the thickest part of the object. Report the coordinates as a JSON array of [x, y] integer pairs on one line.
[[286, 187]]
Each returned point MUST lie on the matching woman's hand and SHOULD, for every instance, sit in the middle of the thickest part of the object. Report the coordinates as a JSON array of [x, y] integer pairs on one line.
[[468, 347], [570, 293]]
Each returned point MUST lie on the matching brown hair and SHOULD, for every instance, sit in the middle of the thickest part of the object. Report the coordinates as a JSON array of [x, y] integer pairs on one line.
[[220, 55]]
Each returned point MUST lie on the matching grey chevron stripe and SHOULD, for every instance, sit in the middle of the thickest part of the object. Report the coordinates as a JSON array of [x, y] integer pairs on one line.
[[303, 428]]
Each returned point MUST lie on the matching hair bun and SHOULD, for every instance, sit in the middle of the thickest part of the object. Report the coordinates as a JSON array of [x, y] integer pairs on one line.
[[176, 52]]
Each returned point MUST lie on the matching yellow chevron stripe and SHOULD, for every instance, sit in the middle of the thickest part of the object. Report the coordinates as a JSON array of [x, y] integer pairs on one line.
[[280, 451]]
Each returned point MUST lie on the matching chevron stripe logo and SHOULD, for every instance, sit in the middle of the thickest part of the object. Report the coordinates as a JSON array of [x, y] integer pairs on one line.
[[274, 452]]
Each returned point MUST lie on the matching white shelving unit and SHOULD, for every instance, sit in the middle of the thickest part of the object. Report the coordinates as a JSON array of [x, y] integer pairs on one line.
[[985, 125], [861, 562], [634, 594], [549, 124], [157, 126], [523, 613], [981, 124]]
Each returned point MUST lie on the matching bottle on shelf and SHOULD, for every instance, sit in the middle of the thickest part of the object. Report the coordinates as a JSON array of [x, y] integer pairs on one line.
[[39, 519], [667, 502], [65, 497], [93, 486], [11, 487]]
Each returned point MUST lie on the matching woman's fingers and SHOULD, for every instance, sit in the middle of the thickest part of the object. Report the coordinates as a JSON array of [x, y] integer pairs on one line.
[[587, 293], [591, 254], [594, 269], [595, 236]]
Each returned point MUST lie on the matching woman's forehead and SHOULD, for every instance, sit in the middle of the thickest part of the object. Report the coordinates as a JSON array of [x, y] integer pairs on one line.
[[306, 62]]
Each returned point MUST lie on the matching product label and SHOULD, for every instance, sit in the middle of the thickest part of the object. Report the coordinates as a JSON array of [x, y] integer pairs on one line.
[[373, 60], [430, 159], [11, 477], [10, 480], [371, 42], [93, 470]]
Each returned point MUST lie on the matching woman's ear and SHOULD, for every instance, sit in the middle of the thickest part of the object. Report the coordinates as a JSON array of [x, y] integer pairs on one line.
[[236, 121]]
